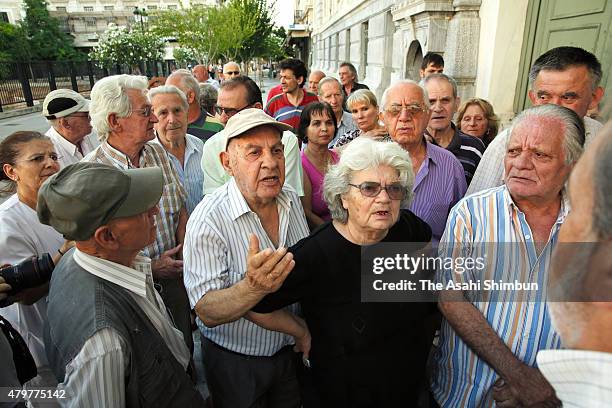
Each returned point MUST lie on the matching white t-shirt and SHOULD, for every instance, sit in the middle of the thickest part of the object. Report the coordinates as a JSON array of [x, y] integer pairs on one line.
[[23, 236], [68, 153]]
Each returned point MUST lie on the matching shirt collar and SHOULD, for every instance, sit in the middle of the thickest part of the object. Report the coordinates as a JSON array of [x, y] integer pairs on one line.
[[118, 156], [63, 142], [239, 205], [563, 211], [568, 369], [133, 279]]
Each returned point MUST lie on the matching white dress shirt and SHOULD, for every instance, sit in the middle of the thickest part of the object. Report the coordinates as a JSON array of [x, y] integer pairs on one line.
[[215, 257], [96, 375], [68, 152], [580, 378], [490, 171]]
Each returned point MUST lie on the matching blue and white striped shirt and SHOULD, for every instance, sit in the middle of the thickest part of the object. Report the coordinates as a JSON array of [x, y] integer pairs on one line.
[[215, 257], [461, 378], [190, 174]]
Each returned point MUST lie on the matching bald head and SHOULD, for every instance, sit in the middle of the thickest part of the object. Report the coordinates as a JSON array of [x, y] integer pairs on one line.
[[313, 81], [200, 72], [231, 70]]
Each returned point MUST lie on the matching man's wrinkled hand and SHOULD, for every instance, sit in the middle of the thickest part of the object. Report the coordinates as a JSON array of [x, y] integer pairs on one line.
[[166, 267], [267, 269], [528, 388]]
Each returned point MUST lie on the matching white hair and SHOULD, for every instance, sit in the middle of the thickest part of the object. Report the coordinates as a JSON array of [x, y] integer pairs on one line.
[[361, 154], [108, 95], [187, 80], [383, 100], [168, 89]]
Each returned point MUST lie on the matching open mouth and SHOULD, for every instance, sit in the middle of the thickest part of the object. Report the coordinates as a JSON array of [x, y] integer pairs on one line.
[[382, 213], [270, 179]]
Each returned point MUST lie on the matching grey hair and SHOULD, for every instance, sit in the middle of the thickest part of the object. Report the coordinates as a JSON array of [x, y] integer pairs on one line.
[[231, 63], [364, 96], [169, 89], [361, 154], [188, 81], [108, 95], [383, 102], [351, 68], [574, 136], [602, 185], [326, 80], [443, 77]]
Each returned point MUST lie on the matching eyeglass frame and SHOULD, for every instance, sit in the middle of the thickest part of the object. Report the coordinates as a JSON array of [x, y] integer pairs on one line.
[[380, 188], [413, 110], [143, 112]]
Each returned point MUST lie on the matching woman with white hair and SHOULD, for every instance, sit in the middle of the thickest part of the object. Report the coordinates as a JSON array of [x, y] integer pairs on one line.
[[363, 354]]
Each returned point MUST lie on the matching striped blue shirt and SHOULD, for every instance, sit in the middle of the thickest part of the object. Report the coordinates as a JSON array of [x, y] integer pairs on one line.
[[461, 378], [190, 173], [215, 257], [438, 185]]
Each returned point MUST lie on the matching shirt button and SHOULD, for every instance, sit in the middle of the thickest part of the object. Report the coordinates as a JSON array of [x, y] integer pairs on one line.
[[527, 236]]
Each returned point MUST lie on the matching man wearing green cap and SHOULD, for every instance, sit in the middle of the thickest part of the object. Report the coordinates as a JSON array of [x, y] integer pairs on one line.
[[109, 338]]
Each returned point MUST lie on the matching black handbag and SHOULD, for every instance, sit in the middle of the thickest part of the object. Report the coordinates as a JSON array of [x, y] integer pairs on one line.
[[24, 362]]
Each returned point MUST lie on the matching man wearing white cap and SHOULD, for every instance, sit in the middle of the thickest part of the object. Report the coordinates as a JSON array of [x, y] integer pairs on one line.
[[226, 274], [70, 132]]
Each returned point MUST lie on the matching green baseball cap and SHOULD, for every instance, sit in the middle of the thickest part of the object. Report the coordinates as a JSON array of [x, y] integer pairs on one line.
[[84, 196]]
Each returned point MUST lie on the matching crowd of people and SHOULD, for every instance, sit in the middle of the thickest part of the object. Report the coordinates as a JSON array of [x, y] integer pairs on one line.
[[194, 206]]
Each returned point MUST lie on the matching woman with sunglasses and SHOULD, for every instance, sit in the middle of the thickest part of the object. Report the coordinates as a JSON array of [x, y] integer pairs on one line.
[[362, 354], [28, 159]]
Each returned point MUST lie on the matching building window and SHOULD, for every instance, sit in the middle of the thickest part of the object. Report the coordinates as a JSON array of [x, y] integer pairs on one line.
[[109, 8], [347, 45], [4, 17], [90, 22], [60, 9], [172, 7], [88, 8], [152, 7], [364, 50]]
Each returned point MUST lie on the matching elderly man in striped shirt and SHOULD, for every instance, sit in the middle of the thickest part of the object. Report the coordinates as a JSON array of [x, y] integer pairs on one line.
[[246, 365], [489, 340]]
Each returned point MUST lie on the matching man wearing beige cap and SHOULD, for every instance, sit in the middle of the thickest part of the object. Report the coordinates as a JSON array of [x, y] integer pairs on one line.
[[109, 338], [70, 132], [226, 275]]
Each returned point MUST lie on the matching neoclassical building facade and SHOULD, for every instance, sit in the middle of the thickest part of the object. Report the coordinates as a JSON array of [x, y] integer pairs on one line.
[[488, 45]]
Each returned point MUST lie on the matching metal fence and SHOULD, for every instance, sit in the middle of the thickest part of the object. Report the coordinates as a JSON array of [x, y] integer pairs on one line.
[[24, 83]]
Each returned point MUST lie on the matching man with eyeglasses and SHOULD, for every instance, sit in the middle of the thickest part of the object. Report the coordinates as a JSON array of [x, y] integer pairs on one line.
[[444, 101], [439, 177], [234, 96], [231, 70], [124, 119], [68, 113], [201, 124]]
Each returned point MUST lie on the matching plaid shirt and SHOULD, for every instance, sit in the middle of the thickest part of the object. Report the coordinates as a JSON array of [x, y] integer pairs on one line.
[[173, 196]]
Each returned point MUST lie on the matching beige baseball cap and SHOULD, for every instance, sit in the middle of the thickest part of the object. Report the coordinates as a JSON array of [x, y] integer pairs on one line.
[[63, 102], [248, 119]]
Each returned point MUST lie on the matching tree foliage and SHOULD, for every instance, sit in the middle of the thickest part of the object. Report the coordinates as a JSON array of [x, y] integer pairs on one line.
[[236, 30], [120, 45], [45, 38], [13, 44]]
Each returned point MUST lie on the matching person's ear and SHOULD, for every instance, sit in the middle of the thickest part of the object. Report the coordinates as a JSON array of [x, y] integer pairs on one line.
[[532, 96], [190, 96], [113, 122], [104, 237], [225, 162], [10, 172], [597, 96], [64, 123]]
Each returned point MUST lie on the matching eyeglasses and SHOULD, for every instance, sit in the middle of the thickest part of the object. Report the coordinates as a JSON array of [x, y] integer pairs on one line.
[[231, 73], [396, 110], [395, 191], [145, 112], [229, 112], [40, 158]]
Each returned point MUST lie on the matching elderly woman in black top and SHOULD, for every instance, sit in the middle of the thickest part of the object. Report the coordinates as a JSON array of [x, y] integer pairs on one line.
[[362, 354]]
